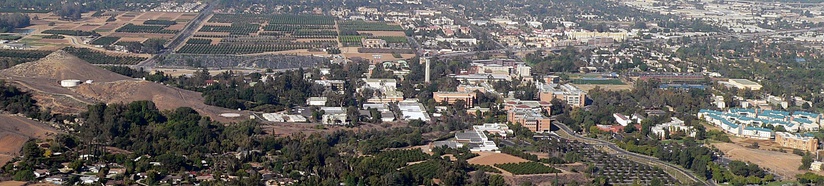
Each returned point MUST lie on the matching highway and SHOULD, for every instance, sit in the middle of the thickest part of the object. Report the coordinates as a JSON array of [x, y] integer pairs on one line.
[[178, 39], [644, 159]]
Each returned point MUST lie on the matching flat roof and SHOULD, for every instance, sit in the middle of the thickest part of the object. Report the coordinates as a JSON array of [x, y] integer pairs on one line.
[[744, 81]]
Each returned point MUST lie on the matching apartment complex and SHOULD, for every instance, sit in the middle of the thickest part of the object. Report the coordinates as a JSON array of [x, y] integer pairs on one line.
[[797, 141]]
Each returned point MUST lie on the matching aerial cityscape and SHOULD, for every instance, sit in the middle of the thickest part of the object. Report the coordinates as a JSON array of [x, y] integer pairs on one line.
[[412, 92]]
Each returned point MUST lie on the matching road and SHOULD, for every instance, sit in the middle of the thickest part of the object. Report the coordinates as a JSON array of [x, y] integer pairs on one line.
[[648, 160], [178, 39]]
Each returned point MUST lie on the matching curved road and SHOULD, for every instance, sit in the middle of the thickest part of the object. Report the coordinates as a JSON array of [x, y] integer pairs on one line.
[[649, 160]]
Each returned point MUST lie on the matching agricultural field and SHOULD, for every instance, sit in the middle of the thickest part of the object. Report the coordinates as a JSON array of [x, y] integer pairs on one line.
[[299, 34], [101, 28], [96, 57], [618, 171], [253, 34]]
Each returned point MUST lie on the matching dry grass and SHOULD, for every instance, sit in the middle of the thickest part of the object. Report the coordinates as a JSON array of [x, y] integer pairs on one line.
[[15, 131], [784, 164], [491, 158], [42, 77], [87, 27], [132, 39], [12, 183]]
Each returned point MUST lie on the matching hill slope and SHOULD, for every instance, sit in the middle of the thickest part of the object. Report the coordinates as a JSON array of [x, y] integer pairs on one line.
[[61, 65], [42, 79]]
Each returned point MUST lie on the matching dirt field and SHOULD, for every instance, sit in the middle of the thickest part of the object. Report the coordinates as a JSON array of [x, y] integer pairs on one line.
[[491, 158], [16, 130], [784, 164], [12, 183]]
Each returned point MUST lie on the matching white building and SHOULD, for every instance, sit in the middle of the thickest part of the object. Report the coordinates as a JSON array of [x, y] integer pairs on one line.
[[744, 84], [676, 124], [334, 116], [621, 119], [411, 110], [316, 101]]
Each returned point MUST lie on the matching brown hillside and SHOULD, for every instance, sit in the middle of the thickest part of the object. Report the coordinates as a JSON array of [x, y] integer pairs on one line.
[[42, 79], [61, 65], [16, 130], [165, 97]]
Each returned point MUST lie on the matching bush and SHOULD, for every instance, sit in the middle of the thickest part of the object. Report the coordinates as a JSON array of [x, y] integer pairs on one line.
[[527, 168]]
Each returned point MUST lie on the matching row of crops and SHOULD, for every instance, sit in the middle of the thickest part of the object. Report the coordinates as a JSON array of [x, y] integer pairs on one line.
[[71, 32], [292, 28], [368, 26], [527, 168], [246, 49], [159, 22], [234, 29], [200, 41], [96, 57], [273, 19], [132, 28]]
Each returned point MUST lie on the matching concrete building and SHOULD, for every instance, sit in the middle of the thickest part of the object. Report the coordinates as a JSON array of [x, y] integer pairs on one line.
[[676, 125], [530, 119], [477, 139], [797, 141], [316, 101], [334, 116], [470, 88], [570, 94], [451, 97], [621, 119], [744, 84], [411, 110], [385, 90]]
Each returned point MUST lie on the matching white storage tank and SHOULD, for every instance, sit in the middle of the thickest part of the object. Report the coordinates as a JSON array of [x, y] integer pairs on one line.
[[70, 83]]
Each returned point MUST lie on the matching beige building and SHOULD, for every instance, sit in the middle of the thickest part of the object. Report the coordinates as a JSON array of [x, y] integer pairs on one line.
[[796, 141], [744, 84], [451, 97], [529, 118], [570, 94]]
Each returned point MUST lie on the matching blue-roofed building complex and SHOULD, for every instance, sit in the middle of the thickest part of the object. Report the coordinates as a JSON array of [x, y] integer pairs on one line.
[[754, 123]]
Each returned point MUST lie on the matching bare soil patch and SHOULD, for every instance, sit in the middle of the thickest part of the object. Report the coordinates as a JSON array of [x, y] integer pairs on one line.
[[132, 39], [16, 130], [87, 27], [12, 183], [176, 27], [784, 164], [491, 158]]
